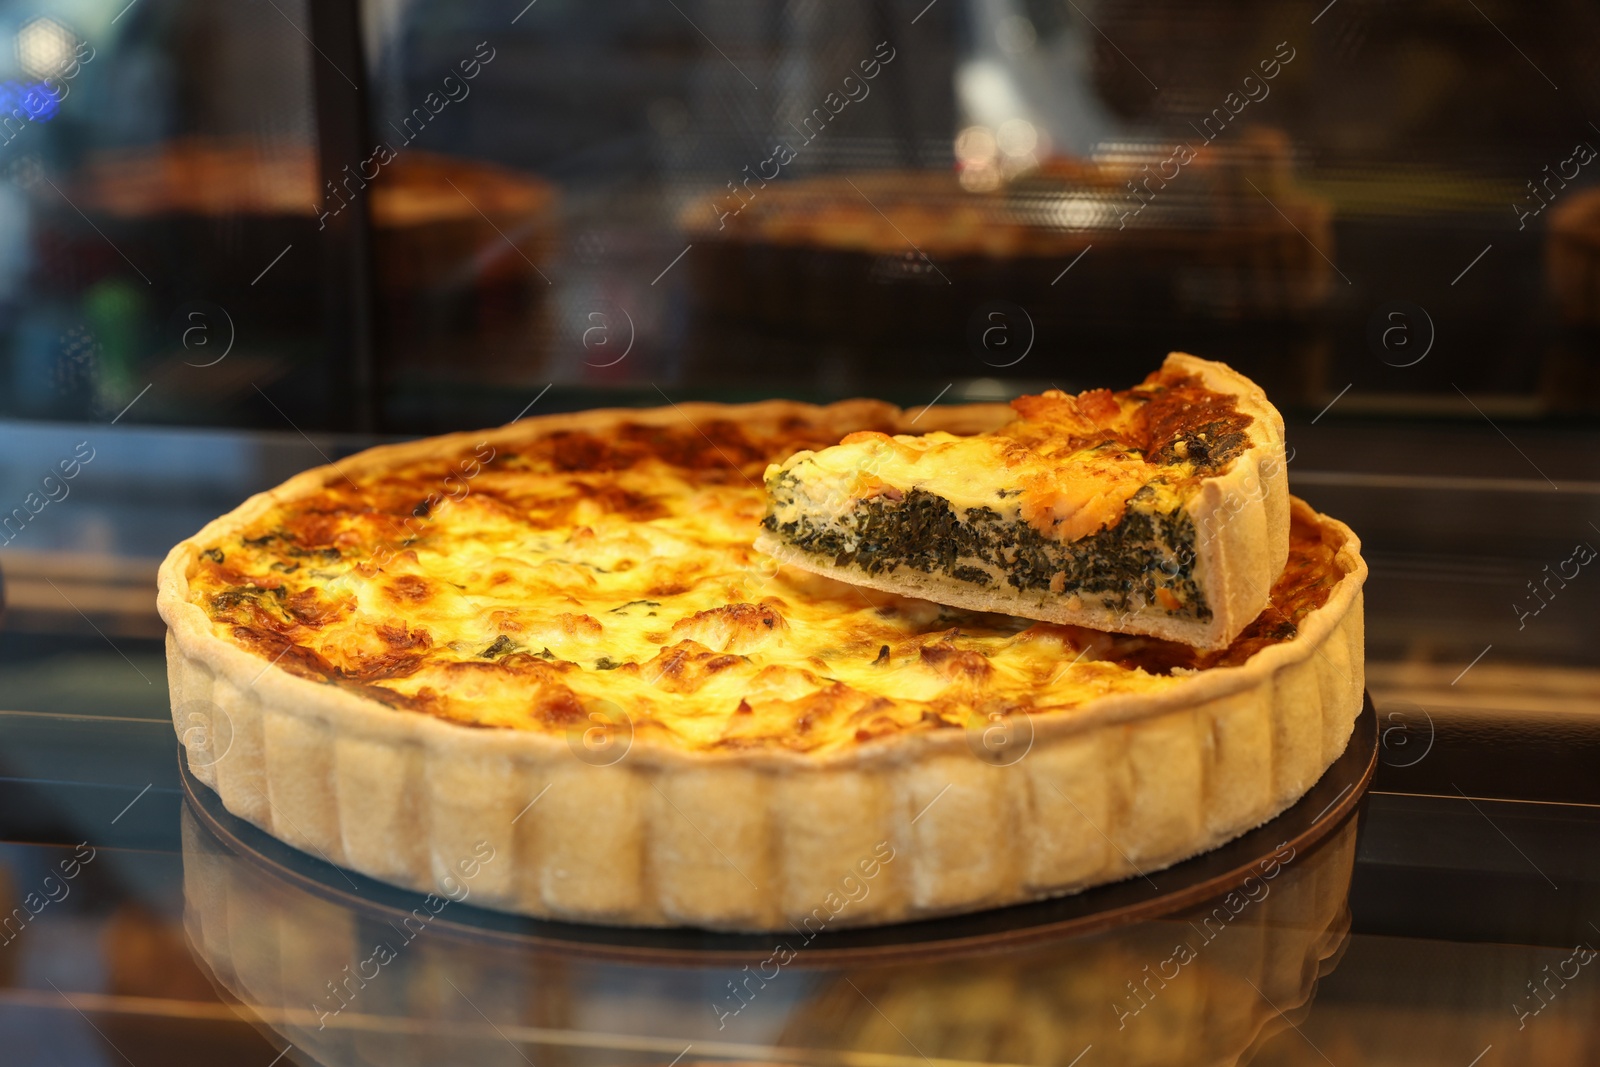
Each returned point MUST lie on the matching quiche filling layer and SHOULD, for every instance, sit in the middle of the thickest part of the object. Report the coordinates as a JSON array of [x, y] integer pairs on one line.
[[1080, 496], [582, 575], [1146, 558]]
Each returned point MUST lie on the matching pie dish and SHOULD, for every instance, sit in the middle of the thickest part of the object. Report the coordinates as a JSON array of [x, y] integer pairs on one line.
[[555, 640], [1162, 509]]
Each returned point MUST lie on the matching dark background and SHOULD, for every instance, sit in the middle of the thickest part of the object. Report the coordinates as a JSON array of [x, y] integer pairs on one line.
[[1419, 126]]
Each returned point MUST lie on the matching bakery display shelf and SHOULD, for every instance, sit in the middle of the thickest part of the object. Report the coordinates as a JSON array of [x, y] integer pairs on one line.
[[1134, 899]]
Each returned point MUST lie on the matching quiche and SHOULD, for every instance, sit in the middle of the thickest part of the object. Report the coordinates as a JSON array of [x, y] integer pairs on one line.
[[554, 644], [1162, 509]]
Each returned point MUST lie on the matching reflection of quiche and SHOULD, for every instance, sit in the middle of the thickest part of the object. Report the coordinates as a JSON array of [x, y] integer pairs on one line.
[[273, 945], [1124, 992], [1162, 509], [556, 638]]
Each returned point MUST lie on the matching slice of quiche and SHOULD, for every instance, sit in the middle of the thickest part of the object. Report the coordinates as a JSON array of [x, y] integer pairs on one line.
[[1162, 509]]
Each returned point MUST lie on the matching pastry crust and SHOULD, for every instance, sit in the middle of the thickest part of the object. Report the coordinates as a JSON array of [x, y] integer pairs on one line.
[[1241, 517], [756, 839], [1241, 523]]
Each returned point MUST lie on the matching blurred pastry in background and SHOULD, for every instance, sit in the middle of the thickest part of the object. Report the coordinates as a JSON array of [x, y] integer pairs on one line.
[[1219, 232], [856, 279], [1572, 256], [456, 243], [1570, 375]]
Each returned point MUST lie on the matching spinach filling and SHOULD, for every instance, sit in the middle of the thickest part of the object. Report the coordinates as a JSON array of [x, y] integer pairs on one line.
[[1121, 566]]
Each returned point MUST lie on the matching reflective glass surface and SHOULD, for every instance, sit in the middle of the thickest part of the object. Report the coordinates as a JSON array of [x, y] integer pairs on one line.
[[1438, 925]]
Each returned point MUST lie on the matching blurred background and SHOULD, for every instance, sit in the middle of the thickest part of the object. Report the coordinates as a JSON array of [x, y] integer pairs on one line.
[[242, 238], [405, 217]]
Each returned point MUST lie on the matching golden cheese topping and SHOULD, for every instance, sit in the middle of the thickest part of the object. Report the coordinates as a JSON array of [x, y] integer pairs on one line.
[[586, 577], [1066, 466]]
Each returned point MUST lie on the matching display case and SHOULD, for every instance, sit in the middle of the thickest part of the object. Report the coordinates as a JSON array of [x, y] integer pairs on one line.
[[238, 241]]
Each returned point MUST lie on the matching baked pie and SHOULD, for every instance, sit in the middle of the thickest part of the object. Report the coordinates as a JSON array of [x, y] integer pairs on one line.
[[556, 638]]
